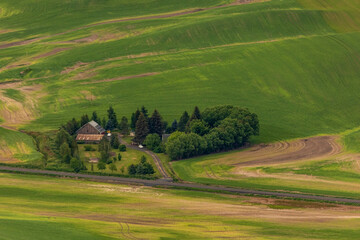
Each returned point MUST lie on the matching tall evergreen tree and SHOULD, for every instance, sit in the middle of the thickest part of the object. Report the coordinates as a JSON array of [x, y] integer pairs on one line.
[[84, 119], [174, 126], [196, 114], [124, 126], [156, 123], [103, 122], [142, 129], [112, 116], [134, 118], [95, 117], [183, 121], [145, 112]]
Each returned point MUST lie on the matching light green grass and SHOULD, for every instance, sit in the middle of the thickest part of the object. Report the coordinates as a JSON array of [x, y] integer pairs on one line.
[[17, 145], [36, 207], [14, 94]]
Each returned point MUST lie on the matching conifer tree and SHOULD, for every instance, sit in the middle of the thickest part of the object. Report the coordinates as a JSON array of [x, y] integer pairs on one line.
[[134, 118], [196, 114], [124, 126], [156, 123], [112, 117], [174, 126], [84, 119], [145, 112], [142, 129], [183, 121], [95, 117]]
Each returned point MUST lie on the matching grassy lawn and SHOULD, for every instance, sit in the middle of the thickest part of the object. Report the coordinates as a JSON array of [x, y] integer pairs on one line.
[[129, 157], [36, 207]]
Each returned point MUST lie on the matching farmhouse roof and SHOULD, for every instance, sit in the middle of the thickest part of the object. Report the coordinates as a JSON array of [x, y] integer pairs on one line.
[[94, 124], [89, 137]]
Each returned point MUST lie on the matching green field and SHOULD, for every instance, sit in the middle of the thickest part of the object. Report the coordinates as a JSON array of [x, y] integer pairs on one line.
[[34, 207]]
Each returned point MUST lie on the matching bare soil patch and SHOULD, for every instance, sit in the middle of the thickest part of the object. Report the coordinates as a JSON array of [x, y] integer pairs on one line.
[[52, 52], [282, 152], [73, 68], [123, 78]]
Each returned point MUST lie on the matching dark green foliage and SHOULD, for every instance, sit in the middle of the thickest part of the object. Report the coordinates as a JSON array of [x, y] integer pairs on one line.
[[145, 112], [89, 148], [103, 122], [101, 165], [119, 157], [104, 149], [152, 141], [76, 165], [132, 169], [113, 167], [122, 148], [156, 123], [61, 137], [74, 148], [182, 145], [71, 126], [199, 127], [112, 117], [110, 125], [183, 121], [231, 128], [95, 117], [143, 168], [134, 118], [174, 126], [65, 152], [142, 129], [114, 142], [84, 119], [124, 126], [196, 114]]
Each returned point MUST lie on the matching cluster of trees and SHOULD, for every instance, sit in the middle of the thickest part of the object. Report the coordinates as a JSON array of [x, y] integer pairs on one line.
[[110, 123], [216, 129], [68, 150], [142, 168]]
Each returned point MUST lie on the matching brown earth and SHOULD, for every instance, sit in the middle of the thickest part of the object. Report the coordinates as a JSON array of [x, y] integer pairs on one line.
[[52, 52], [283, 152], [123, 78]]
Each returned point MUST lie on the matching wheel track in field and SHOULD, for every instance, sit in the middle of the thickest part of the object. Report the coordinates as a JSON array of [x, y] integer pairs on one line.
[[160, 16]]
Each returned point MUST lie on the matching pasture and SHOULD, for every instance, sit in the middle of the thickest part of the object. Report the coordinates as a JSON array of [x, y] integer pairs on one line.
[[35, 207]]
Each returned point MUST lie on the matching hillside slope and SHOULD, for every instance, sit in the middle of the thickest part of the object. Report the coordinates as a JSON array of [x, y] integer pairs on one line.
[[295, 63]]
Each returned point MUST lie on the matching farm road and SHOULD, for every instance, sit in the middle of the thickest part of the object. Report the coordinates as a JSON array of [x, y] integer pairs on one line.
[[193, 186]]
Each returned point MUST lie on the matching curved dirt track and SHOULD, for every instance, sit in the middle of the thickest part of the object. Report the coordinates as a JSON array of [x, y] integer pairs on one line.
[[282, 152], [166, 15]]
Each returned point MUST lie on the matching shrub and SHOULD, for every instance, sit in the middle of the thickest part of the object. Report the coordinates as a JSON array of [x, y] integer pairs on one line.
[[119, 157], [122, 148], [152, 141], [89, 148]]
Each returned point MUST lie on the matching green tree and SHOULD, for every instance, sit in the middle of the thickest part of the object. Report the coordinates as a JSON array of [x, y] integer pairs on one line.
[[122, 148], [104, 149], [76, 164], [156, 123], [103, 122], [61, 137], [95, 117], [142, 129], [196, 114], [199, 127], [143, 159], [72, 126], [101, 166], [145, 112], [174, 126], [134, 118], [119, 157], [183, 121], [114, 142], [113, 167], [132, 169], [124, 126], [65, 152], [84, 119], [152, 141], [112, 117]]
